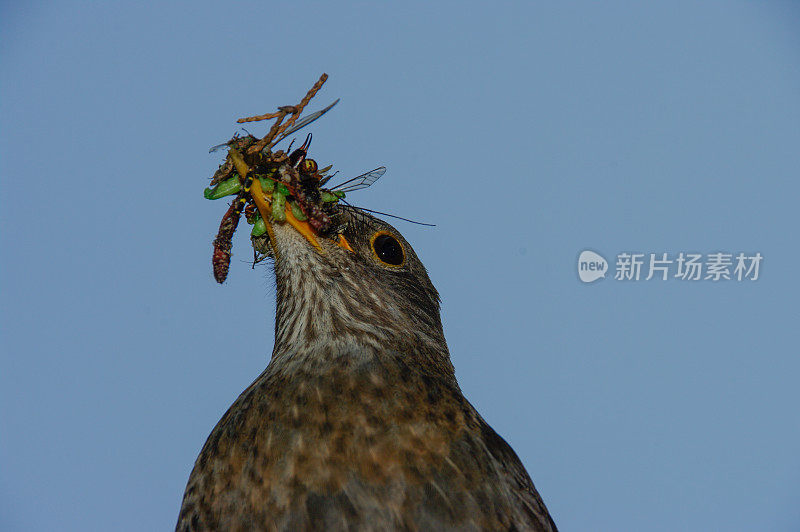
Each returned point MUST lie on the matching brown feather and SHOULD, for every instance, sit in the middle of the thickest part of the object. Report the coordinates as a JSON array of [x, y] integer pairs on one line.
[[358, 422]]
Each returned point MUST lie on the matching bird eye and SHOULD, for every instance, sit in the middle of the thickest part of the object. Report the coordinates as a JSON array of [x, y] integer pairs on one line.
[[387, 249]]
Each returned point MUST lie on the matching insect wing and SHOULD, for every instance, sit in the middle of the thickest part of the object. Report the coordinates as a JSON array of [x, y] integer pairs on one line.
[[361, 181], [232, 142], [218, 147], [305, 121], [357, 209]]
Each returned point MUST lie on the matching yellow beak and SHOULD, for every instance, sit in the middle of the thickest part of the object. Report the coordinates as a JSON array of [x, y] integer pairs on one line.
[[264, 201]]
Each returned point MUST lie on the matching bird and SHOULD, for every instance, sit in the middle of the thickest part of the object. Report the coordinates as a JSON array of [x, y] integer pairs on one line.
[[358, 421]]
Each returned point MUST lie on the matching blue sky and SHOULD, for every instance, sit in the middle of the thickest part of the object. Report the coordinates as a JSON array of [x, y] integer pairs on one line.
[[526, 132]]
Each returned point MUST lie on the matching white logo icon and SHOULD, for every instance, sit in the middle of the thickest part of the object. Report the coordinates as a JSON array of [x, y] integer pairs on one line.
[[591, 266]]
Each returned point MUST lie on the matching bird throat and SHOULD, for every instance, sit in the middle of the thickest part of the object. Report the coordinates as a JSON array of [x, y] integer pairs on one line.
[[330, 303]]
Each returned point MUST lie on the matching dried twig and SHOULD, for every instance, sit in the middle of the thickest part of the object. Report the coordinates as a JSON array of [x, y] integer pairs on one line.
[[257, 118], [279, 127], [307, 98], [263, 143]]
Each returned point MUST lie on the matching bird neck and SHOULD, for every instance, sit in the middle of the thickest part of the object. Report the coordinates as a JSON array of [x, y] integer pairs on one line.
[[321, 317]]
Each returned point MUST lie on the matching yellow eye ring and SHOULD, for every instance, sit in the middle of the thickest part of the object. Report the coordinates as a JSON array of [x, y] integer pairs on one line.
[[387, 249]]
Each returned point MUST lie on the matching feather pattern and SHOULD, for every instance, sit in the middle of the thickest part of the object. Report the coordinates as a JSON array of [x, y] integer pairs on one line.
[[358, 422]]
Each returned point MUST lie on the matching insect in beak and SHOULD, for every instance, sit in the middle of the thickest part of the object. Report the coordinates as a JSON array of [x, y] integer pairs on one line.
[[273, 187]]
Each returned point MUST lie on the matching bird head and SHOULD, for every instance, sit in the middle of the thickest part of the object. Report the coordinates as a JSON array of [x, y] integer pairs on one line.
[[374, 293]]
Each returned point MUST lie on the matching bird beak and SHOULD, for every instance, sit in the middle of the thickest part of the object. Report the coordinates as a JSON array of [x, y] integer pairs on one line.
[[263, 202]]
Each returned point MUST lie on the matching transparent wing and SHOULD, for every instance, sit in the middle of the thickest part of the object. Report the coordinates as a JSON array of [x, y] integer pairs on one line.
[[356, 208], [304, 122], [296, 127], [218, 147], [234, 139], [361, 181]]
